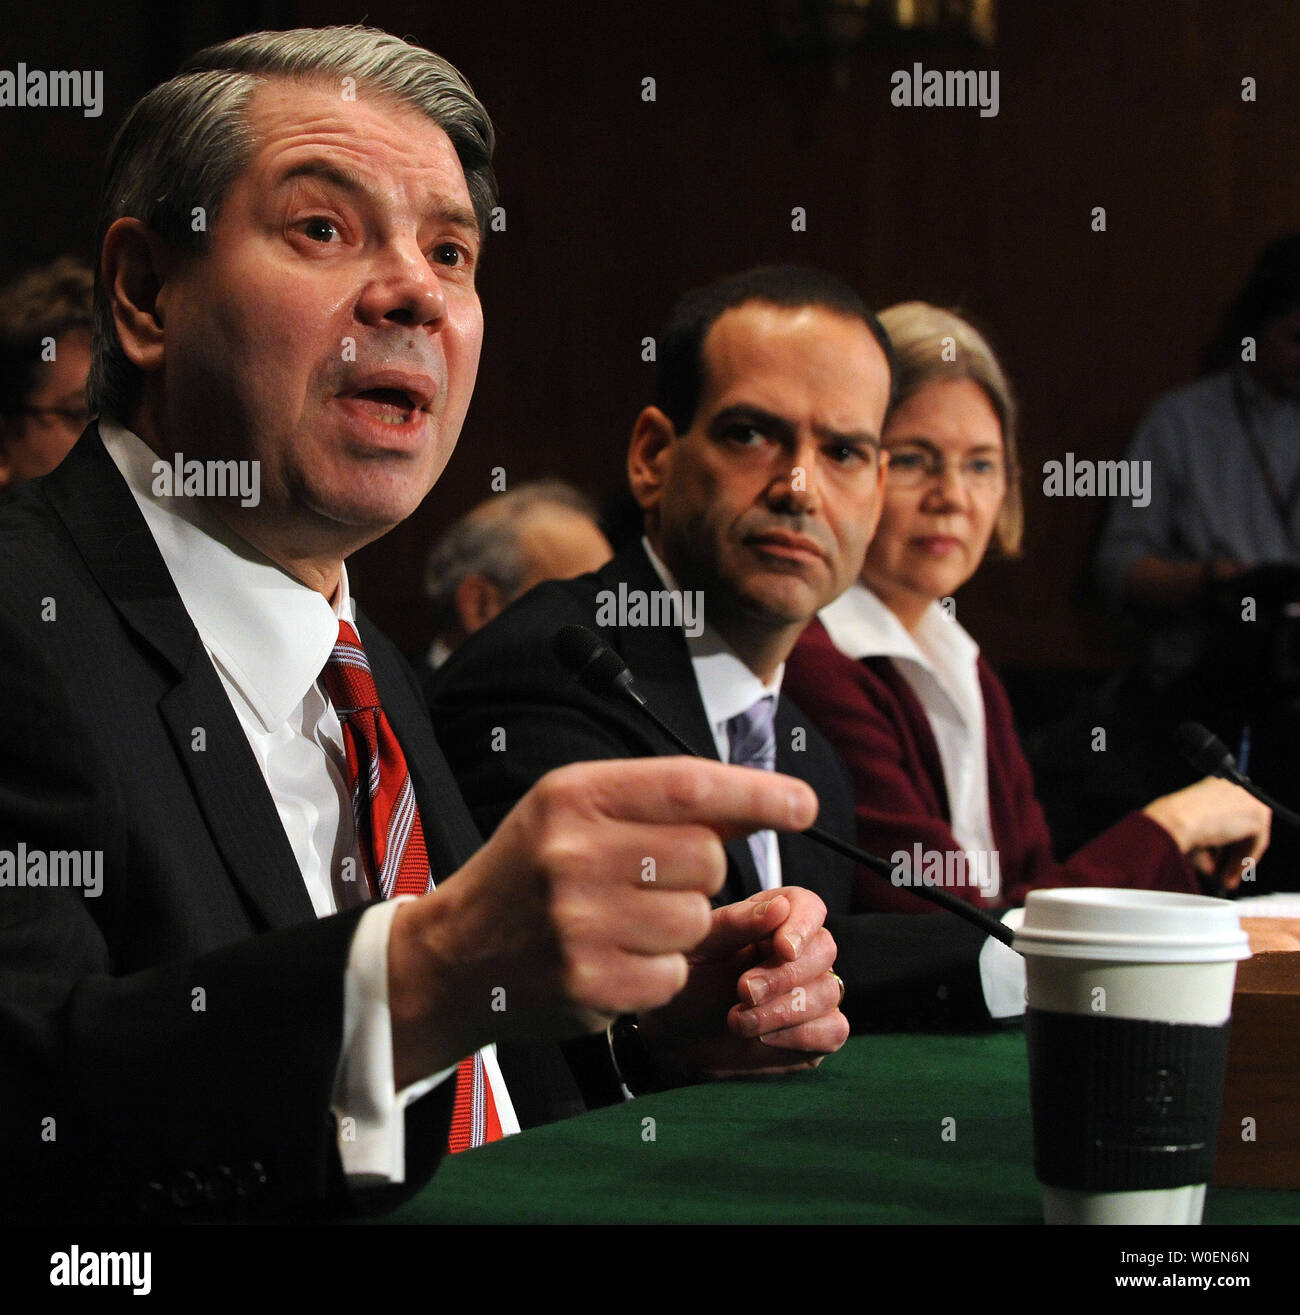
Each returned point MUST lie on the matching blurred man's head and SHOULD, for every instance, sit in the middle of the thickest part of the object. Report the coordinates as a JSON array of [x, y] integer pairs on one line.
[[291, 231], [503, 547], [1267, 311], [759, 470], [44, 360]]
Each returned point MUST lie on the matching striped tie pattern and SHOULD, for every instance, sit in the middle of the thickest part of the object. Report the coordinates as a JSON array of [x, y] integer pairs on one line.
[[391, 839], [751, 736]]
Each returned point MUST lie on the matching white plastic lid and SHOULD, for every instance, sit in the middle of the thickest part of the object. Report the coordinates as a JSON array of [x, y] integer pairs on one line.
[[1136, 926]]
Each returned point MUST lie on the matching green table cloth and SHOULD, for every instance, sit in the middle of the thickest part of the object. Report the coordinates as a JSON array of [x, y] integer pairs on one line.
[[895, 1129]]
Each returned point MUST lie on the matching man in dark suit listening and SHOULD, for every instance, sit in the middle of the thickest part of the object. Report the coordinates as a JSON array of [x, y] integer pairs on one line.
[[213, 765], [759, 477]]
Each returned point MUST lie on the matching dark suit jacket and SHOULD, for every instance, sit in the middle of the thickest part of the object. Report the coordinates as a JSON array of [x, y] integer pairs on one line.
[[872, 716], [168, 1048], [507, 711]]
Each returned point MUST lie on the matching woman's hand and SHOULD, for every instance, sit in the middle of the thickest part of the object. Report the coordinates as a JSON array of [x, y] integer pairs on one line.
[[1217, 825]]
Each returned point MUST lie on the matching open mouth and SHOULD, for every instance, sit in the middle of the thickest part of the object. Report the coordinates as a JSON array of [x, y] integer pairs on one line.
[[390, 406]]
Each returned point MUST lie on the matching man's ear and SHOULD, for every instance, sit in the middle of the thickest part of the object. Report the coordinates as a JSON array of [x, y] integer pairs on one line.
[[478, 600], [134, 266], [649, 457]]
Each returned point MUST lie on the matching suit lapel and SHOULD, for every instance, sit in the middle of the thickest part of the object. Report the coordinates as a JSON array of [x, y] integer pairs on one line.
[[742, 874], [232, 793], [786, 724], [803, 862], [660, 663], [659, 660], [101, 517]]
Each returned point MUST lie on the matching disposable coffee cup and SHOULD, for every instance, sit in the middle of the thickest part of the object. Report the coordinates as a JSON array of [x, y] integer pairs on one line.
[[1129, 998]]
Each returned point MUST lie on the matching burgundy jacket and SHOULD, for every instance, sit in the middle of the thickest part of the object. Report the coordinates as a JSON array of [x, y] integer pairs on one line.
[[870, 714]]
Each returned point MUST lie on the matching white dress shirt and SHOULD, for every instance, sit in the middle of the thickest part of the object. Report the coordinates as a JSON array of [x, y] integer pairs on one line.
[[938, 660], [727, 688], [269, 636], [438, 654]]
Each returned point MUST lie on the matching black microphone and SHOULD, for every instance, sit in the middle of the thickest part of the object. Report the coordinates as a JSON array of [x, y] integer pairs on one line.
[[600, 669], [1208, 754], [604, 673]]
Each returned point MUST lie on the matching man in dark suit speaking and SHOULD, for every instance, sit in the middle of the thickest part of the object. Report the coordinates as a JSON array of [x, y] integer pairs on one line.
[[214, 767], [759, 476]]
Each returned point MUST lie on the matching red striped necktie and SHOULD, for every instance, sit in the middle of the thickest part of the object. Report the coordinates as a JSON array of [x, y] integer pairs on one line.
[[391, 839]]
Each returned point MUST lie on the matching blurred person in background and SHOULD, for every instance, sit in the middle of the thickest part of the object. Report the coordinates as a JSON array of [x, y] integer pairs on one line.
[[1207, 574], [44, 361], [544, 530], [1224, 458]]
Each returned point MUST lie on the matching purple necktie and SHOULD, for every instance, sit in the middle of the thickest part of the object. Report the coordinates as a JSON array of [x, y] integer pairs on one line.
[[752, 737]]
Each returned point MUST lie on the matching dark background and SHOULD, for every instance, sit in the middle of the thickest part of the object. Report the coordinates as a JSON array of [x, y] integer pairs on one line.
[[614, 206]]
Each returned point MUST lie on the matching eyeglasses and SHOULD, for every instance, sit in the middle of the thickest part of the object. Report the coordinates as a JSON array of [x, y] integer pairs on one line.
[[914, 464], [78, 416]]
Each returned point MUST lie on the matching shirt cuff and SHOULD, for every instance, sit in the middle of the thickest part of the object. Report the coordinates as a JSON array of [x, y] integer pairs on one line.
[[371, 1113], [1002, 972]]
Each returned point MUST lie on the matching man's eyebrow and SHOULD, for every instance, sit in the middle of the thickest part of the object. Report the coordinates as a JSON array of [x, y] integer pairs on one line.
[[326, 172], [745, 413], [742, 413], [447, 212], [458, 216]]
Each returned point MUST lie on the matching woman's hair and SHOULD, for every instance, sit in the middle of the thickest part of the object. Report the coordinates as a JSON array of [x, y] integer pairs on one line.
[[934, 345]]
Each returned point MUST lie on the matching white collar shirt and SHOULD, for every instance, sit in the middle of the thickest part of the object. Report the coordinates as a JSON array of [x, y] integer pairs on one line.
[[269, 636]]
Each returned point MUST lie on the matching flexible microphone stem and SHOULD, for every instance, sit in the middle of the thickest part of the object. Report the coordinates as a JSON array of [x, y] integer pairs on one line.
[[598, 667], [1208, 754], [1279, 810]]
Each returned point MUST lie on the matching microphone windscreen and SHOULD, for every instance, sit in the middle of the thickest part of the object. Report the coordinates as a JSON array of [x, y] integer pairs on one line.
[[589, 658], [1203, 749]]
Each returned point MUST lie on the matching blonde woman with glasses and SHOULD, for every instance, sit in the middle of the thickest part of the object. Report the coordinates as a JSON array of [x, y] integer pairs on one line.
[[942, 786]]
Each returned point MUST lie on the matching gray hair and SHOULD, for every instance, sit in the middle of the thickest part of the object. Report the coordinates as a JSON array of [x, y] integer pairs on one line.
[[185, 142], [485, 541]]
